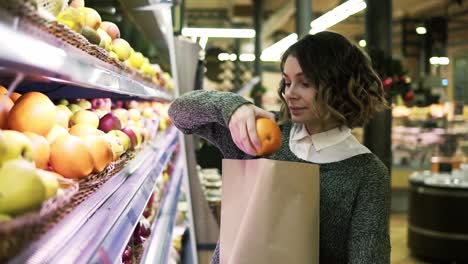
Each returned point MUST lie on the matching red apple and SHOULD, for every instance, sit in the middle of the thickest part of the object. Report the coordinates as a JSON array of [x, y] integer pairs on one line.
[[127, 254], [111, 29], [97, 103], [145, 227], [132, 135], [109, 122]]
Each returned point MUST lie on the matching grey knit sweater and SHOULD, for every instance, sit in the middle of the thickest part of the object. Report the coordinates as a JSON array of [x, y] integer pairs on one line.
[[354, 193]]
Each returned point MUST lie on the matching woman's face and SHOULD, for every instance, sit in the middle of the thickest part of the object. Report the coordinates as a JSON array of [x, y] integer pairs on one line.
[[299, 93]]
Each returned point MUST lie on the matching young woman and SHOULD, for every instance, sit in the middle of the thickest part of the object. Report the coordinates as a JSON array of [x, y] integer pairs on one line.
[[328, 88]]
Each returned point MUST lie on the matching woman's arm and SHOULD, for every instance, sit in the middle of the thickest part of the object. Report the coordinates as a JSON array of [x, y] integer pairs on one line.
[[208, 114], [369, 237]]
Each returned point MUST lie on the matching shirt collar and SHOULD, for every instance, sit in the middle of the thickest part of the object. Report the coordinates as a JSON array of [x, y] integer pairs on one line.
[[321, 140]]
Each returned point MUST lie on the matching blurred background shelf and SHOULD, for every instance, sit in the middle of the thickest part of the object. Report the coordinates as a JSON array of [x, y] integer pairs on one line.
[[98, 229]]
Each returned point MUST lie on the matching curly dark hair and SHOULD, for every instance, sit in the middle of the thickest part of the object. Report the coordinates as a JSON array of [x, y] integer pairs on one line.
[[349, 90]]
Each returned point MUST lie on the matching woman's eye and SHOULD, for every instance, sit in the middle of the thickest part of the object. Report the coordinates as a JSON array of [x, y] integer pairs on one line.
[[305, 84], [287, 84]]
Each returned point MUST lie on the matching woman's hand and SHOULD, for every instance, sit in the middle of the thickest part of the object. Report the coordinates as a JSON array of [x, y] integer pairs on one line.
[[243, 127]]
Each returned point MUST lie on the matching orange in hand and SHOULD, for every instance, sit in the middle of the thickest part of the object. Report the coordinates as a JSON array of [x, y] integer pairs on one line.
[[269, 135]]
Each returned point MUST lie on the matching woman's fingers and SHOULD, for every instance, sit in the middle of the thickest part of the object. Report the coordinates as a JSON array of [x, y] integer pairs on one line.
[[245, 141], [252, 133], [259, 112]]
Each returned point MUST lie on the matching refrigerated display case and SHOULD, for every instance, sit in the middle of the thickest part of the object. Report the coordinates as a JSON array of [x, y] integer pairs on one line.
[[97, 223]]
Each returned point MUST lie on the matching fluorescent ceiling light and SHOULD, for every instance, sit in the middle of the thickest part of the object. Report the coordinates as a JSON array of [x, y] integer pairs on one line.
[[439, 60], [363, 43], [247, 57], [223, 56], [421, 30], [274, 52], [337, 15], [218, 32], [232, 57]]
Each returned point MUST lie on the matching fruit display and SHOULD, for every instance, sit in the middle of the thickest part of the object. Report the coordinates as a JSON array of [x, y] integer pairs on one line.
[[42, 141], [105, 34]]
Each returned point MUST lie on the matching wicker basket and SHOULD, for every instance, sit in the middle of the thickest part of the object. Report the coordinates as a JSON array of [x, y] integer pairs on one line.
[[16, 233]]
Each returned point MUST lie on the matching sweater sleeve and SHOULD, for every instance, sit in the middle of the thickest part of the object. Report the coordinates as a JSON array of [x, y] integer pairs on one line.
[[207, 114], [369, 237]]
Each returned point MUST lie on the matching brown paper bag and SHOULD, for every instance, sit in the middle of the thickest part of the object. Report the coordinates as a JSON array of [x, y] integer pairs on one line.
[[269, 212]]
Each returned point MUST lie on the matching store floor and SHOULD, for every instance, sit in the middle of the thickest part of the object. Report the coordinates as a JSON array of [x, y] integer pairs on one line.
[[398, 237]]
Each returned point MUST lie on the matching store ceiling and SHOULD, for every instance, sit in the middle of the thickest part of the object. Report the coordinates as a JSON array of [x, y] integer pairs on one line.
[[238, 13]]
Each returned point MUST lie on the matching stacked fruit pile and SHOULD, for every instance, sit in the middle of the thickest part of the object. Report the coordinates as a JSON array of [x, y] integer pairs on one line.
[[88, 22], [41, 142]]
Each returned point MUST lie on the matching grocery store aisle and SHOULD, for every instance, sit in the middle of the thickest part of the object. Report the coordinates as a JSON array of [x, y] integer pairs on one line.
[[398, 237]]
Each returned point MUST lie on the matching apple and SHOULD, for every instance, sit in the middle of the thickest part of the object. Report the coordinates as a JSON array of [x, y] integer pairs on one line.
[[84, 116], [127, 254], [15, 145], [148, 112], [145, 227], [21, 187], [122, 114], [136, 59], [106, 40], [138, 135], [121, 48], [137, 239], [97, 103], [111, 29], [63, 115], [5, 217], [148, 69], [109, 122], [100, 112], [50, 181], [63, 102], [55, 132], [123, 137], [84, 104], [74, 108], [77, 3], [116, 145], [113, 55], [92, 17], [134, 114], [132, 135]]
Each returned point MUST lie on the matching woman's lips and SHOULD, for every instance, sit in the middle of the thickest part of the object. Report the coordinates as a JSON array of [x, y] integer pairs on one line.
[[296, 110]]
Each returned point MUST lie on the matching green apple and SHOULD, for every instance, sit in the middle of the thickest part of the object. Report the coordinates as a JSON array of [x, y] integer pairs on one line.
[[50, 182], [14, 145], [84, 116], [113, 55], [4, 217], [21, 188], [63, 115], [106, 40], [63, 102], [138, 135], [124, 138], [85, 104], [136, 60], [55, 132], [74, 108]]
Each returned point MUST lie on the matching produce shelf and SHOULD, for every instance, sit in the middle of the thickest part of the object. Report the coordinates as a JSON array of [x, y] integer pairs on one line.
[[98, 229], [161, 238], [40, 57]]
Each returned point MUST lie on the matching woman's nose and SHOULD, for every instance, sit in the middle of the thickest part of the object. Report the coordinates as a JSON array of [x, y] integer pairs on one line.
[[290, 92]]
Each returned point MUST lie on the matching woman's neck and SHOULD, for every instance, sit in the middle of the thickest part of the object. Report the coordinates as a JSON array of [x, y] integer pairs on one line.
[[318, 127]]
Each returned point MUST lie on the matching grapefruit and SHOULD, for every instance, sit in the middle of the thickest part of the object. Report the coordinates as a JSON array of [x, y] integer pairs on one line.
[[269, 135], [70, 157], [41, 149], [100, 150], [4, 112]]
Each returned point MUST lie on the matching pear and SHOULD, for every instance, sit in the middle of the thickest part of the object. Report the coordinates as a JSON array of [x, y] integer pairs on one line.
[[14, 145], [21, 188]]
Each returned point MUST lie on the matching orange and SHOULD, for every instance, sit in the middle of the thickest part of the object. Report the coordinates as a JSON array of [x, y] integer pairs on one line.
[[100, 150], [33, 112], [3, 90], [41, 149], [15, 96], [5, 112], [70, 157], [269, 135]]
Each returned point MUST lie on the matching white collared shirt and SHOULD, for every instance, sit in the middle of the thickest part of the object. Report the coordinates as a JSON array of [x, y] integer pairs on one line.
[[326, 147]]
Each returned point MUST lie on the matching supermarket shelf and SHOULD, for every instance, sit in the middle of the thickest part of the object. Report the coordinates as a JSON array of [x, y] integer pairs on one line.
[[161, 238], [29, 51], [98, 229]]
